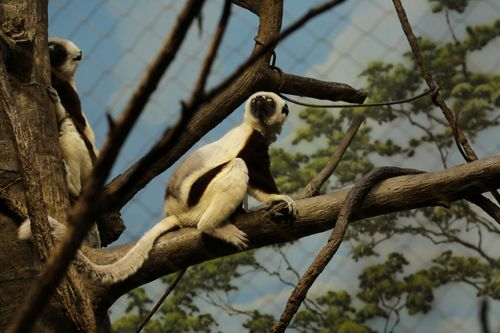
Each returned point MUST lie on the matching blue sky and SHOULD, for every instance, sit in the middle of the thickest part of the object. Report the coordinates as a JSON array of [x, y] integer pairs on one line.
[[120, 37]]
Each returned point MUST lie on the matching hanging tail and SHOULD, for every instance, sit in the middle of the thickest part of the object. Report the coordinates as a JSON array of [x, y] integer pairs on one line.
[[123, 267]]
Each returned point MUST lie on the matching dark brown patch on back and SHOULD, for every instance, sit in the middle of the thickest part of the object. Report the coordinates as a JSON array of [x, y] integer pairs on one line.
[[255, 153], [200, 185]]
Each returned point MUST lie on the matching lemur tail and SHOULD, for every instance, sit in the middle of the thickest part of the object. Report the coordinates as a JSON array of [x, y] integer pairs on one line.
[[123, 267]]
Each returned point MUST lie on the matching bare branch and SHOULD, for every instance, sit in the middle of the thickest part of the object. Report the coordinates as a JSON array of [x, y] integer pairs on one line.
[[304, 86], [212, 52], [313, 187], [177, 250], [160, 301]]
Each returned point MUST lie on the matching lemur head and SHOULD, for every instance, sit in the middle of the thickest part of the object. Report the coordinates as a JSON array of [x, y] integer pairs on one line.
[[266, 112], [65, 57]]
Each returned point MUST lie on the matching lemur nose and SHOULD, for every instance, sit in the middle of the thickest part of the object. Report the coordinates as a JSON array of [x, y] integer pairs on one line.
[[285, 110], [79, 57]]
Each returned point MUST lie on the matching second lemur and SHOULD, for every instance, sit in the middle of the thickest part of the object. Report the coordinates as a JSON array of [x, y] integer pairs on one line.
[[76, 138], [208, 187]]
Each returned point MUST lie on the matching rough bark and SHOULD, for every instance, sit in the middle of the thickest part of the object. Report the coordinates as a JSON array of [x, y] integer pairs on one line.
[[31, 170]]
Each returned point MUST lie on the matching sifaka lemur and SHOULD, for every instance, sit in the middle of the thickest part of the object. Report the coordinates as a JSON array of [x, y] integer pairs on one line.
[[208, 187], [76, 138]]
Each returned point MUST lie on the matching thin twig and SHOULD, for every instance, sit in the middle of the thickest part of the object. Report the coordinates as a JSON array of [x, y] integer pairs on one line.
[[212, 53], [313, 187], [160, 301], [351, 204], [462, 143]]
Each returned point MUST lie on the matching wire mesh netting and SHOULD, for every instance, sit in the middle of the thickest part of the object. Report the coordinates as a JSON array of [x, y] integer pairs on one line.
[[119, 38]]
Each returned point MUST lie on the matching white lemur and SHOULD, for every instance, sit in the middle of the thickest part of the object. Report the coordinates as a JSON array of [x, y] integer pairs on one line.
[[76, 138], [209, 186]]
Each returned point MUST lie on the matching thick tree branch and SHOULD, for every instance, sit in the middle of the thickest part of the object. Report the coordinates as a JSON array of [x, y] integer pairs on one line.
[[177, 250], [305, 86]]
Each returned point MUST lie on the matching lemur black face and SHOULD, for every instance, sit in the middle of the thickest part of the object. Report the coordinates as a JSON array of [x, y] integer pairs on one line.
[[58, 54], [263, 107]]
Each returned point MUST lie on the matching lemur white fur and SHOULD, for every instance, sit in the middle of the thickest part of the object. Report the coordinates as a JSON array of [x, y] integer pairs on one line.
[[76, 138], [208, 187]]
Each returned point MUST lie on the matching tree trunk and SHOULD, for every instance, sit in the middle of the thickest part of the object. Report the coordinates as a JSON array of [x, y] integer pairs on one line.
[[25, 76]]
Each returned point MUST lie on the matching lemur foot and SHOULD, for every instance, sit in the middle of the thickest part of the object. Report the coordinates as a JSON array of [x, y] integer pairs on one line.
[[231, 234], [237, 237], [292, 206]]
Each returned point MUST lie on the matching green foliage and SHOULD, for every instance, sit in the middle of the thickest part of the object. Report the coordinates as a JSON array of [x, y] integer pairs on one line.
[[334, 313], [387, 288], [259, 323], [457, 5], [180, 313]]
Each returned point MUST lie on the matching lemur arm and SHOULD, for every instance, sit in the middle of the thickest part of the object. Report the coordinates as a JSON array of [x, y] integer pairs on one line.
[[273, 197]]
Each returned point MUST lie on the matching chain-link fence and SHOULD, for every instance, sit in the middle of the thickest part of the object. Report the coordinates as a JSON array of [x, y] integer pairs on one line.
[[120, 37]]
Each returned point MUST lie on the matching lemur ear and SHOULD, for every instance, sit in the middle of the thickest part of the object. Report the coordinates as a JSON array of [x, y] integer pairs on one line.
[[262, 106]]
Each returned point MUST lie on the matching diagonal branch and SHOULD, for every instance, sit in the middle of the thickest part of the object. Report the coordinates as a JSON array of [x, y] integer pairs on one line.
[[212, 52], [313, 187]]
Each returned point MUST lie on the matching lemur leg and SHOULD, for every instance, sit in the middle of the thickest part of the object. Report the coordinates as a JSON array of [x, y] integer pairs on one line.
[[73, 178], [226, 192], [76, 158]]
